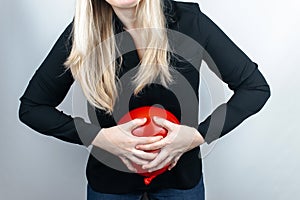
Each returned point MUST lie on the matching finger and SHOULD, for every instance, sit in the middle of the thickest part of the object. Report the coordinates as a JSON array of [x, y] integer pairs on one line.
[[134, 123], [153, 146], [148, 140], [164, 163], [163, 122], [159, 159], [145, 155], [128, 164], [137, 160], [173, 164], [137, 122]]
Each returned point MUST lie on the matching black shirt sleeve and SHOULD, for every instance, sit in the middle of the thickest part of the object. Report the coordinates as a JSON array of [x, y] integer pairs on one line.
[[46, 90], [232, 66]]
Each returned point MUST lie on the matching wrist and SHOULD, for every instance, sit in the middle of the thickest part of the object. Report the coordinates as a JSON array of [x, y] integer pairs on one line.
[[97, 140], [198, 139]]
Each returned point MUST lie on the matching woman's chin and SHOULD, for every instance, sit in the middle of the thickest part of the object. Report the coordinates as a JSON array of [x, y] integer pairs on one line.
[[123, 3]]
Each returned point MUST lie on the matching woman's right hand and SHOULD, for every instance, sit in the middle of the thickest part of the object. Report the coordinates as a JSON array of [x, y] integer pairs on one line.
[[119, 141]]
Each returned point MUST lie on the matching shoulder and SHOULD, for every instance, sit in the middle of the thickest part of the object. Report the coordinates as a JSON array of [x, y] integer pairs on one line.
[[190, 7], [178, 7], [182, 12], [186, 17], [63, 44], [67, 36]]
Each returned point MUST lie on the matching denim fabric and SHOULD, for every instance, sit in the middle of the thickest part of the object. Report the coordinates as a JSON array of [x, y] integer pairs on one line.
[[196, 193]]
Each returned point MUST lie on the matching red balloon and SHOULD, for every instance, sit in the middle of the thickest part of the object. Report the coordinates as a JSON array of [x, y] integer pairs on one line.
[[149, 129]]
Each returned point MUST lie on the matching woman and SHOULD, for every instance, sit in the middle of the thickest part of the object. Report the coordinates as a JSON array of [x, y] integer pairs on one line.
[[91, 51]]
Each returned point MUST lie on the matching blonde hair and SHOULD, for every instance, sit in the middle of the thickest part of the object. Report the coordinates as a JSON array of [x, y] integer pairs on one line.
[[92, 60]]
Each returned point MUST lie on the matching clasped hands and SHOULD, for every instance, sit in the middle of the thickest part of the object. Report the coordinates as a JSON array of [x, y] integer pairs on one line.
[[119, 141]]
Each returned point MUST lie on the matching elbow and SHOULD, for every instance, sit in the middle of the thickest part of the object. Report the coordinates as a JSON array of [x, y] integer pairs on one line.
[[265, 87], [27, 115], [263, 94], [260, 90], [268, 93], [266, 96], [22, 113], [253, 98]]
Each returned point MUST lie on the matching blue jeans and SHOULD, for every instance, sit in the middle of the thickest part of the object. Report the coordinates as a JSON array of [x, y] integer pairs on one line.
[[196, 193]]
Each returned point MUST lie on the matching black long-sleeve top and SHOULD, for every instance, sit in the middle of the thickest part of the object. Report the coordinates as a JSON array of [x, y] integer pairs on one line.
[[204, 41]]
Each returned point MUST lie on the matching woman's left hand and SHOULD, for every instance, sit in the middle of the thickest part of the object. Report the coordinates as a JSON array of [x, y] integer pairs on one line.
[[180, 139]]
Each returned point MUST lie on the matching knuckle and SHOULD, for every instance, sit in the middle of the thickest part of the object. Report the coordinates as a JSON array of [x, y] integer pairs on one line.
[[152, 155], [148, 140], [134, 122], [127, 152], [168, 142], [168, 152], [139, 162], [149, 156], [165, 123], [131, 142]]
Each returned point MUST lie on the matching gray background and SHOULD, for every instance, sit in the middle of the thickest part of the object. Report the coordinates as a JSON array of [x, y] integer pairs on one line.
[[258, 160]]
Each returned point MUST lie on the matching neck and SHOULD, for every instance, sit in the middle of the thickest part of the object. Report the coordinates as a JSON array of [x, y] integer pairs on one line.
[[127, 16]]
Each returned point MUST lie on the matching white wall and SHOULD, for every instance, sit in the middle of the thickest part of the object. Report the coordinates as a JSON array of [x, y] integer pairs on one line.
[[258, 160]]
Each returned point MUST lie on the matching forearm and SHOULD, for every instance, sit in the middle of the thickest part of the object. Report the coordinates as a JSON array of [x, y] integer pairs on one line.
[[247, 100], [52, 122]]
